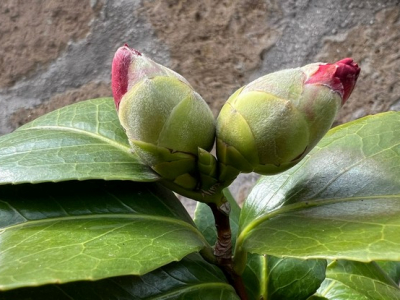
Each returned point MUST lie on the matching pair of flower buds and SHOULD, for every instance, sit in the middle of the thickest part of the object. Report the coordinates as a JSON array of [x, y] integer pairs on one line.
[[267, 126]]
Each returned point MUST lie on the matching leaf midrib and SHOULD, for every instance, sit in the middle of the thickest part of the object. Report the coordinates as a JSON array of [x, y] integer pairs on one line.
[[100, 216], [109, 216], [82, 132], [298, 206]]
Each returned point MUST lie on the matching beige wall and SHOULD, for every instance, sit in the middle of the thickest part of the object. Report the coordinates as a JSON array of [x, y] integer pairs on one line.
[[57, 52]]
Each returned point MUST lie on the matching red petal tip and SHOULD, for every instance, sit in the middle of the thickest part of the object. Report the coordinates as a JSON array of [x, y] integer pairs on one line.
[[340, 76]]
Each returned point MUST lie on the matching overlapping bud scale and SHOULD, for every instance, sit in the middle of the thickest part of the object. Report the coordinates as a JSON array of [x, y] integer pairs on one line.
[[270, 124], [165, 120]]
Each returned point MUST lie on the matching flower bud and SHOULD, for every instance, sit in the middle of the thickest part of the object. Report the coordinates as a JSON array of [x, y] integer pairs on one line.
[[165, 120], [270, 124]]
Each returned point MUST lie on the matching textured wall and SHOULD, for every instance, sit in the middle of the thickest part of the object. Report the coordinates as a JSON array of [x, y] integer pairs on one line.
[[57, 52]]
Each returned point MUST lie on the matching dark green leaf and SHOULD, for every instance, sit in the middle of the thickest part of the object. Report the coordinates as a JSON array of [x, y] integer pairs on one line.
[[392, 268], [341, 201], [90, 230], [291, 278], [359, 281], [81, 141], [254, 276], [190, 278], [276, 278], [317, 297]]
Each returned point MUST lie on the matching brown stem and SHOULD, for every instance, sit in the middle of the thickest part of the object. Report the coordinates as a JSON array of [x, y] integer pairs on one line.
[[223, 248]]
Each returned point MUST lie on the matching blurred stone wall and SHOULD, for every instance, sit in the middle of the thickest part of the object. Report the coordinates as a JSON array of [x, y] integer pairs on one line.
[[56, 52]]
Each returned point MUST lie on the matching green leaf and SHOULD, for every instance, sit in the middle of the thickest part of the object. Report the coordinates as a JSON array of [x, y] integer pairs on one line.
[[81, 141], [291, 278], [392, 268], [254, 276], [62, 232], [190, 278], [341, 201], [317, 297], [274, 278], [358, 281]]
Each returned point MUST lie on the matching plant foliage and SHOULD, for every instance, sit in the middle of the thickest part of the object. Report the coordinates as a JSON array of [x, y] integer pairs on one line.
[[82, 218]]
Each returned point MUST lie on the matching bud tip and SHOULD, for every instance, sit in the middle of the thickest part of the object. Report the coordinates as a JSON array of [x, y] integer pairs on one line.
[[340, 76], [119, 73]]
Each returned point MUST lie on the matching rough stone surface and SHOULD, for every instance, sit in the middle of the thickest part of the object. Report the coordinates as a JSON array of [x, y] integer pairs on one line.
[[215, 44], [376, 46], [58, 52], [33, 33], [82, 61]]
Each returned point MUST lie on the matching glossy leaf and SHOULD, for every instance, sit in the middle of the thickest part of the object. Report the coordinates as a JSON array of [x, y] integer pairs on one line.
[[255, 277], [291, 278], [274, 278], [317, 297], [341, 201], [81, 141], [190, 278], [392, 268], [358, 281], [62, 232]]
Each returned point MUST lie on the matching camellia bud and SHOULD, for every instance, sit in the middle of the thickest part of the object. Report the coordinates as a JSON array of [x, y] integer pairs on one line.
[[270, 124], [165, 120]]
